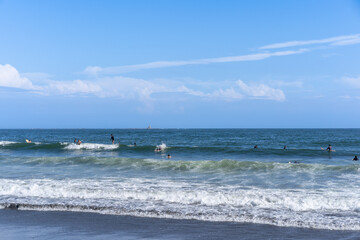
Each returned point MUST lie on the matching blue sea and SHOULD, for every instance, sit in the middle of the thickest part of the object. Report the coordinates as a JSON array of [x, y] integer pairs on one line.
[[213, 175]]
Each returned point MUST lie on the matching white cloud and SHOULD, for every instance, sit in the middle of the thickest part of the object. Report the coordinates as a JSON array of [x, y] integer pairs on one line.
[[347, 97], [340, 40], [296, 84], [333, 41], [227, 94], [352, 81], [347, 42], [10, 77], [138, 89], [73, 87], [92, 70], [261, 91]]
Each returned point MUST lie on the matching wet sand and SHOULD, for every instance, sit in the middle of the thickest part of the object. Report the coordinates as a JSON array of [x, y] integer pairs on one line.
[[16, 224]]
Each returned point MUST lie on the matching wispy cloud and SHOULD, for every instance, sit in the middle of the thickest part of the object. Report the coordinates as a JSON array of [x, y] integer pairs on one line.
[[340, 40], [72, 87], [333, 41], [352, 81], [295, 84], [92, 70]]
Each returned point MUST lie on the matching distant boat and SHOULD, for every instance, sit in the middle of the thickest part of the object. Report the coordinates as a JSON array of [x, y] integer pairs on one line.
[[149, 127]]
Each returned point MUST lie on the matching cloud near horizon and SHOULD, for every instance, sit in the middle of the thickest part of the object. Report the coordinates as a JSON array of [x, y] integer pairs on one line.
[[136, 89], [10, 77]]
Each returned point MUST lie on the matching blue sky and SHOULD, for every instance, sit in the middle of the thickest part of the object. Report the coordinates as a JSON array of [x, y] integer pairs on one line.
[[179, 64]]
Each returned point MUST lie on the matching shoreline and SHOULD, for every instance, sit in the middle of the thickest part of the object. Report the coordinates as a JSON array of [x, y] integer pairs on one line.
[[24, 224]]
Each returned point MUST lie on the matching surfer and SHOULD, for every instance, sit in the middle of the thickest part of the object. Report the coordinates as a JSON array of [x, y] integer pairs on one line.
[[75, 140], [284, 147], [355, 158], [112, 138], [78, 142], [329, 148], [134, 144], [294, 162], [28, 141]]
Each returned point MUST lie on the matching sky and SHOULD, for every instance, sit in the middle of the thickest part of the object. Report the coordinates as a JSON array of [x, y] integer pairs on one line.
[[180, 64]]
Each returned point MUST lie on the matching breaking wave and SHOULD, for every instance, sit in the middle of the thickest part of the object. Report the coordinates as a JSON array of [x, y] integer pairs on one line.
[[330, 209]]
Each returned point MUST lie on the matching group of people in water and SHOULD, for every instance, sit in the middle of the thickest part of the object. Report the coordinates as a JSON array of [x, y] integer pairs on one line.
[[329, 149], [77, 141], [159, 149], [112, 139]]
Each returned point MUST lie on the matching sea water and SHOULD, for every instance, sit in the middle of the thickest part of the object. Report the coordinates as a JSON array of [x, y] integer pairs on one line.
[[213, 174]]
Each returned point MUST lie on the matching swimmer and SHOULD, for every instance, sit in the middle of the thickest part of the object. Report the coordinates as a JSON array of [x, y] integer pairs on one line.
[[285, 147], [256, 146], [169, 156], [134, 144], [78, 142], [112, 138], [28, 141], [355, 158], [75, 140]]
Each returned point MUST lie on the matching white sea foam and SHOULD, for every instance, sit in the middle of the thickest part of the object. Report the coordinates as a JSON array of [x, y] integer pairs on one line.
[[91, 146], [4, 143], [161, 147], [330, 209]]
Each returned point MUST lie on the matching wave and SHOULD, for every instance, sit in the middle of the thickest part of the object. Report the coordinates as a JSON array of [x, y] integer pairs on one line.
[[225, 165], [311, 152], [56, 146], [91, 146], [330, 209], [161, 147], [5, 143]]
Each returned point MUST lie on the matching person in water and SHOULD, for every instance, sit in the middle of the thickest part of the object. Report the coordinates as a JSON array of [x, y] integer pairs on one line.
[[285, 147], [294, 162], [256, 146], [169, 156], [112, 138], [134, 144], [355, 158], [75, 140], [329, 148], [28, 141], [78, 142]]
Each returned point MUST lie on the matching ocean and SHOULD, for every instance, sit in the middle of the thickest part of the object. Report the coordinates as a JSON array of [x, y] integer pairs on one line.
[[215, 177]]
